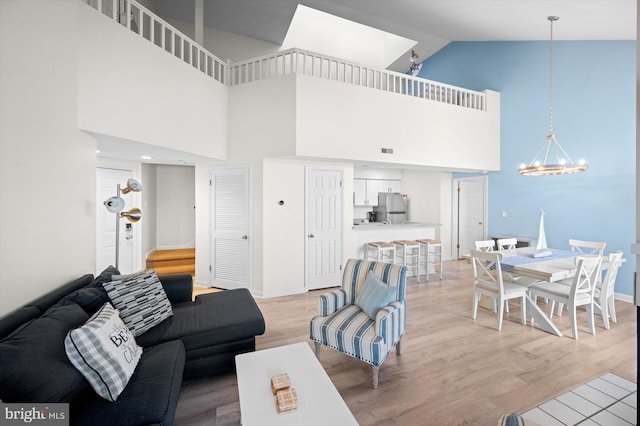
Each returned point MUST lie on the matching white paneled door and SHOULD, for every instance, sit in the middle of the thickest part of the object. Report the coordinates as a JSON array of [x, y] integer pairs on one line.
[[230, 230], [324, 228], [107, 181], [471, 210]]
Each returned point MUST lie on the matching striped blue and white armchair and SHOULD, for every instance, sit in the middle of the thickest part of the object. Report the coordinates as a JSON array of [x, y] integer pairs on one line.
[[344, 326]]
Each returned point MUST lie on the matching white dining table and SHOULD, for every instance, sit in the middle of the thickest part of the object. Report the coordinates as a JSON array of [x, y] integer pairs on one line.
[[557, 265], [526, 269]]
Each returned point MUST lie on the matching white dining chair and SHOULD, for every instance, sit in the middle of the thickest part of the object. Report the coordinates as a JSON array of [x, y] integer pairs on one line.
[[580, 293], [485, 245], [604, 294], [490, 245], [507, 243], [491, 284], [587, 247], [583, 247]]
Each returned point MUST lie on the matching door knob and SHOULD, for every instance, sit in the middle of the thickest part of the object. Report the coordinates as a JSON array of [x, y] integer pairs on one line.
[[479, 223], [310, 235], [244, 237]]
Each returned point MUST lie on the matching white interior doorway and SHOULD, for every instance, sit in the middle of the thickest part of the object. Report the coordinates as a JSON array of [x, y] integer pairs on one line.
[[324, 228], [107, 180], [230, 228], [469, 214]]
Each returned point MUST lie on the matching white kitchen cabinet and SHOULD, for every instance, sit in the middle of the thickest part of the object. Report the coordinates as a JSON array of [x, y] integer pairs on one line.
[[372, 192], [365, 192], [359, 192], [389, 186]]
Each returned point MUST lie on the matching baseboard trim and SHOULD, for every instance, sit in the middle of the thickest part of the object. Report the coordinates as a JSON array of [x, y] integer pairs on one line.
[[269, 295], [202, 284], [623, 297]]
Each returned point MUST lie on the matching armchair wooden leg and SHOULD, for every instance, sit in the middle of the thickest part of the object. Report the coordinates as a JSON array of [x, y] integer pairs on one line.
[[375, 376], [398, 347], [317, 350]]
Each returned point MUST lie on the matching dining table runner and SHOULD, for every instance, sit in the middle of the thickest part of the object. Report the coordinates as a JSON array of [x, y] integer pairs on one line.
[[509, 262]]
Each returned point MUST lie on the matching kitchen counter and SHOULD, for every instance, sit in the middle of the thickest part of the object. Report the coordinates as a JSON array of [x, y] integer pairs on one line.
[[382, 226], [369, 232]]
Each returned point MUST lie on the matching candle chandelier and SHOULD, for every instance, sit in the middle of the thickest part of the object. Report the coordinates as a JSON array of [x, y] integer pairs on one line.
[[541, 164]]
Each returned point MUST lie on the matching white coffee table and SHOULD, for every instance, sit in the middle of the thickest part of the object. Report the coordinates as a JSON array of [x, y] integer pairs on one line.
[[319, 402]]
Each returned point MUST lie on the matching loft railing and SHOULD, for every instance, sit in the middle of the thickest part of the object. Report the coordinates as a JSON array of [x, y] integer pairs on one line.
[[146, 24], [309, 63]]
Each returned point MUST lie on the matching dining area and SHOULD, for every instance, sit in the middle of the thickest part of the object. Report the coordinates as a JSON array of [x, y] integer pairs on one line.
[[544, 281]]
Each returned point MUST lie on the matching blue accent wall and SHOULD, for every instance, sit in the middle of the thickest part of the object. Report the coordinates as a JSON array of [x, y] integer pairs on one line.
[[594, 104]]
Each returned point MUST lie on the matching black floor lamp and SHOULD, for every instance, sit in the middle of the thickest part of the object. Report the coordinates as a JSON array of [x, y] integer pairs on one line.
[[116, 205]]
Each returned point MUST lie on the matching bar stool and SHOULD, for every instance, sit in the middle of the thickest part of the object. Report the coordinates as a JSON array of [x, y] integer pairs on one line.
[[410, 254], [432, 251], [383, 252]]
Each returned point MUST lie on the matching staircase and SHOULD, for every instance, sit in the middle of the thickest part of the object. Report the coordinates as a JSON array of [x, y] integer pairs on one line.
[[178, 261]]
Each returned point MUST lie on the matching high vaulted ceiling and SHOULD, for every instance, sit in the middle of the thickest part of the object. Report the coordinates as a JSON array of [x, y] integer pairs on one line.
[[432, 23]]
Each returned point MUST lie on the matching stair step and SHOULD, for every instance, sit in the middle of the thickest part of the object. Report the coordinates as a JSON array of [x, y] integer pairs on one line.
[[172, 254], [180, 269], [170, 262], [177, 261]]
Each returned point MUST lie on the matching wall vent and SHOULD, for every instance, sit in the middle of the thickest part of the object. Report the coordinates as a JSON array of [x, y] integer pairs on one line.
[[387, 150]]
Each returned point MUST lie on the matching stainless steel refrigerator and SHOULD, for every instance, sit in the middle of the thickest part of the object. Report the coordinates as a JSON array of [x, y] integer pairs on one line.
[[392, 207]]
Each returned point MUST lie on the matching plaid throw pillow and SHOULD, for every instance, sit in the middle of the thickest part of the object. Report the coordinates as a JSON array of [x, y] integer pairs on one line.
[[104, 351], [140, 299]]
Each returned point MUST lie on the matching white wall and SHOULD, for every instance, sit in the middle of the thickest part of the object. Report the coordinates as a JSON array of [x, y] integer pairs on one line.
[[149, 202], [278, 232], [284, 236], [127, 86], [430, 201], [47, 165], [261, 125], [175, 207], [307, 117], [374, 173], [342, 121], [283, 242]]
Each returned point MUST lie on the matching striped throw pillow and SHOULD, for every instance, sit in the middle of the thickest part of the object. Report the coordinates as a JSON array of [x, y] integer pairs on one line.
[[141, 300], [104, 351]]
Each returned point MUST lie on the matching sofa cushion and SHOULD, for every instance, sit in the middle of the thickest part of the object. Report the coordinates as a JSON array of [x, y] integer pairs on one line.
[[374, 295], [35, 367], [105, 276], [141, 301], [17, 319], [212, 319], [104, 351], [51, 298], [150, 398], [89, 298], [178, 287]]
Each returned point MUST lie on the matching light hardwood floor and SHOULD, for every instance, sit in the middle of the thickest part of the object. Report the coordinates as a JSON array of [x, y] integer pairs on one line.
[[452, 371]]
